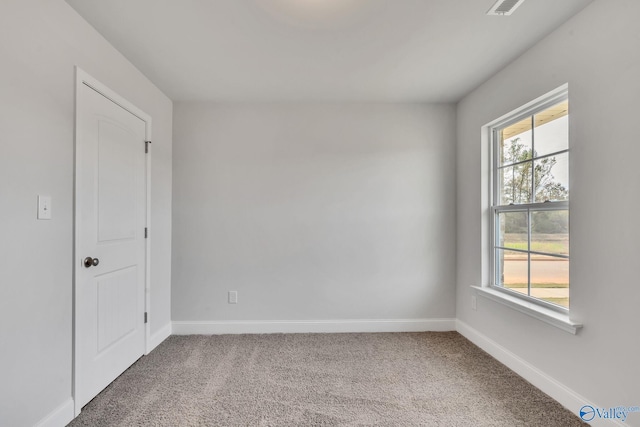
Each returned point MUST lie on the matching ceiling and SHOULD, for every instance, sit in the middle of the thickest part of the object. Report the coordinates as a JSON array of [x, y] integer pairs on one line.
[[321, 50]]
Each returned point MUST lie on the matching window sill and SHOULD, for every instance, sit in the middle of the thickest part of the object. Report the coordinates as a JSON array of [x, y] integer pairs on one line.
[[546, 315]]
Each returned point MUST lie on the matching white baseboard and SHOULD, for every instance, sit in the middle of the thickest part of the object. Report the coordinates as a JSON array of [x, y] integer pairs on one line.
[[558, 391], [312, 326], [59, 417], [158, 337]]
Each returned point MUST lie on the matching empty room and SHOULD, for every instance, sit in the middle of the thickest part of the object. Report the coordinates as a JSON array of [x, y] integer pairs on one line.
[[319, 213]]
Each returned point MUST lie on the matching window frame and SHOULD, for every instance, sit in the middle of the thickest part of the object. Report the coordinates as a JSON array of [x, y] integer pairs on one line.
[[543, 103]]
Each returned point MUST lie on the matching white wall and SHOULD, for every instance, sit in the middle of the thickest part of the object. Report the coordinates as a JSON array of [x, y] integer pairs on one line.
[[598, 54], [313, 212], [40, 42]]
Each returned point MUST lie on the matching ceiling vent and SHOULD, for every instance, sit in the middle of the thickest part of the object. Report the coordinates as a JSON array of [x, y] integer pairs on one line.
[[504, 7]]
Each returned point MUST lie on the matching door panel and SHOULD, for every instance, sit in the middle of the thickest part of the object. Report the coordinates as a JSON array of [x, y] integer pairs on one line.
[[117, 203], [116, 306], [110, 223]]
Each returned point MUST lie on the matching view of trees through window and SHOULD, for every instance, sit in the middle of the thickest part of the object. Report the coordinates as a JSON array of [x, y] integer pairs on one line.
[[531, 210]]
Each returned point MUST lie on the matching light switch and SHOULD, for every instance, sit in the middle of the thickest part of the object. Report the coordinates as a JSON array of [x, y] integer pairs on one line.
[[44, 207]]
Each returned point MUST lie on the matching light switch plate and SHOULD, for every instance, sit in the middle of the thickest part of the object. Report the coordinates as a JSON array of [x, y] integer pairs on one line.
[[44, 207]]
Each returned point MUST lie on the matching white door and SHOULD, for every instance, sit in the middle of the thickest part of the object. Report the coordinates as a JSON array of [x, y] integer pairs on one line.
[[110, 242]]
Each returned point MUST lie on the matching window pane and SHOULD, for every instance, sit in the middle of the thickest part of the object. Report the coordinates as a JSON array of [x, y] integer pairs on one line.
[[550, 232], [552, 178], [531, 161], [551, 133], [511, 270], [514, 185], [515, 142], [550, 279], [513, 230]]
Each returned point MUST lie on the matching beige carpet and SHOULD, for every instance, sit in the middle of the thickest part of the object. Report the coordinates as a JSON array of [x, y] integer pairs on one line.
[[399, 379]]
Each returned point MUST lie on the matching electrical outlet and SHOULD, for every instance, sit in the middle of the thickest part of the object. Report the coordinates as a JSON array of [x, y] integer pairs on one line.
[[233, 297], [474, 302]]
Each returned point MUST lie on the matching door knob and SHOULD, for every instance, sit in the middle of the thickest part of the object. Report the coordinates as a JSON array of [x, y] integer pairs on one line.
[[88, 262]]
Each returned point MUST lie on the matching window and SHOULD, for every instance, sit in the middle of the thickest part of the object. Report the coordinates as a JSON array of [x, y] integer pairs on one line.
[[530, 203]]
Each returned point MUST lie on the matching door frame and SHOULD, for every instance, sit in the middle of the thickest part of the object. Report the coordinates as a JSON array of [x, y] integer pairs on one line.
[[83, 78]]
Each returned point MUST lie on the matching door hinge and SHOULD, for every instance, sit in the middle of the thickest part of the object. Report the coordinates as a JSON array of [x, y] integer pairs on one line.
[[146, 146], [146, 232], [145, 317]]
